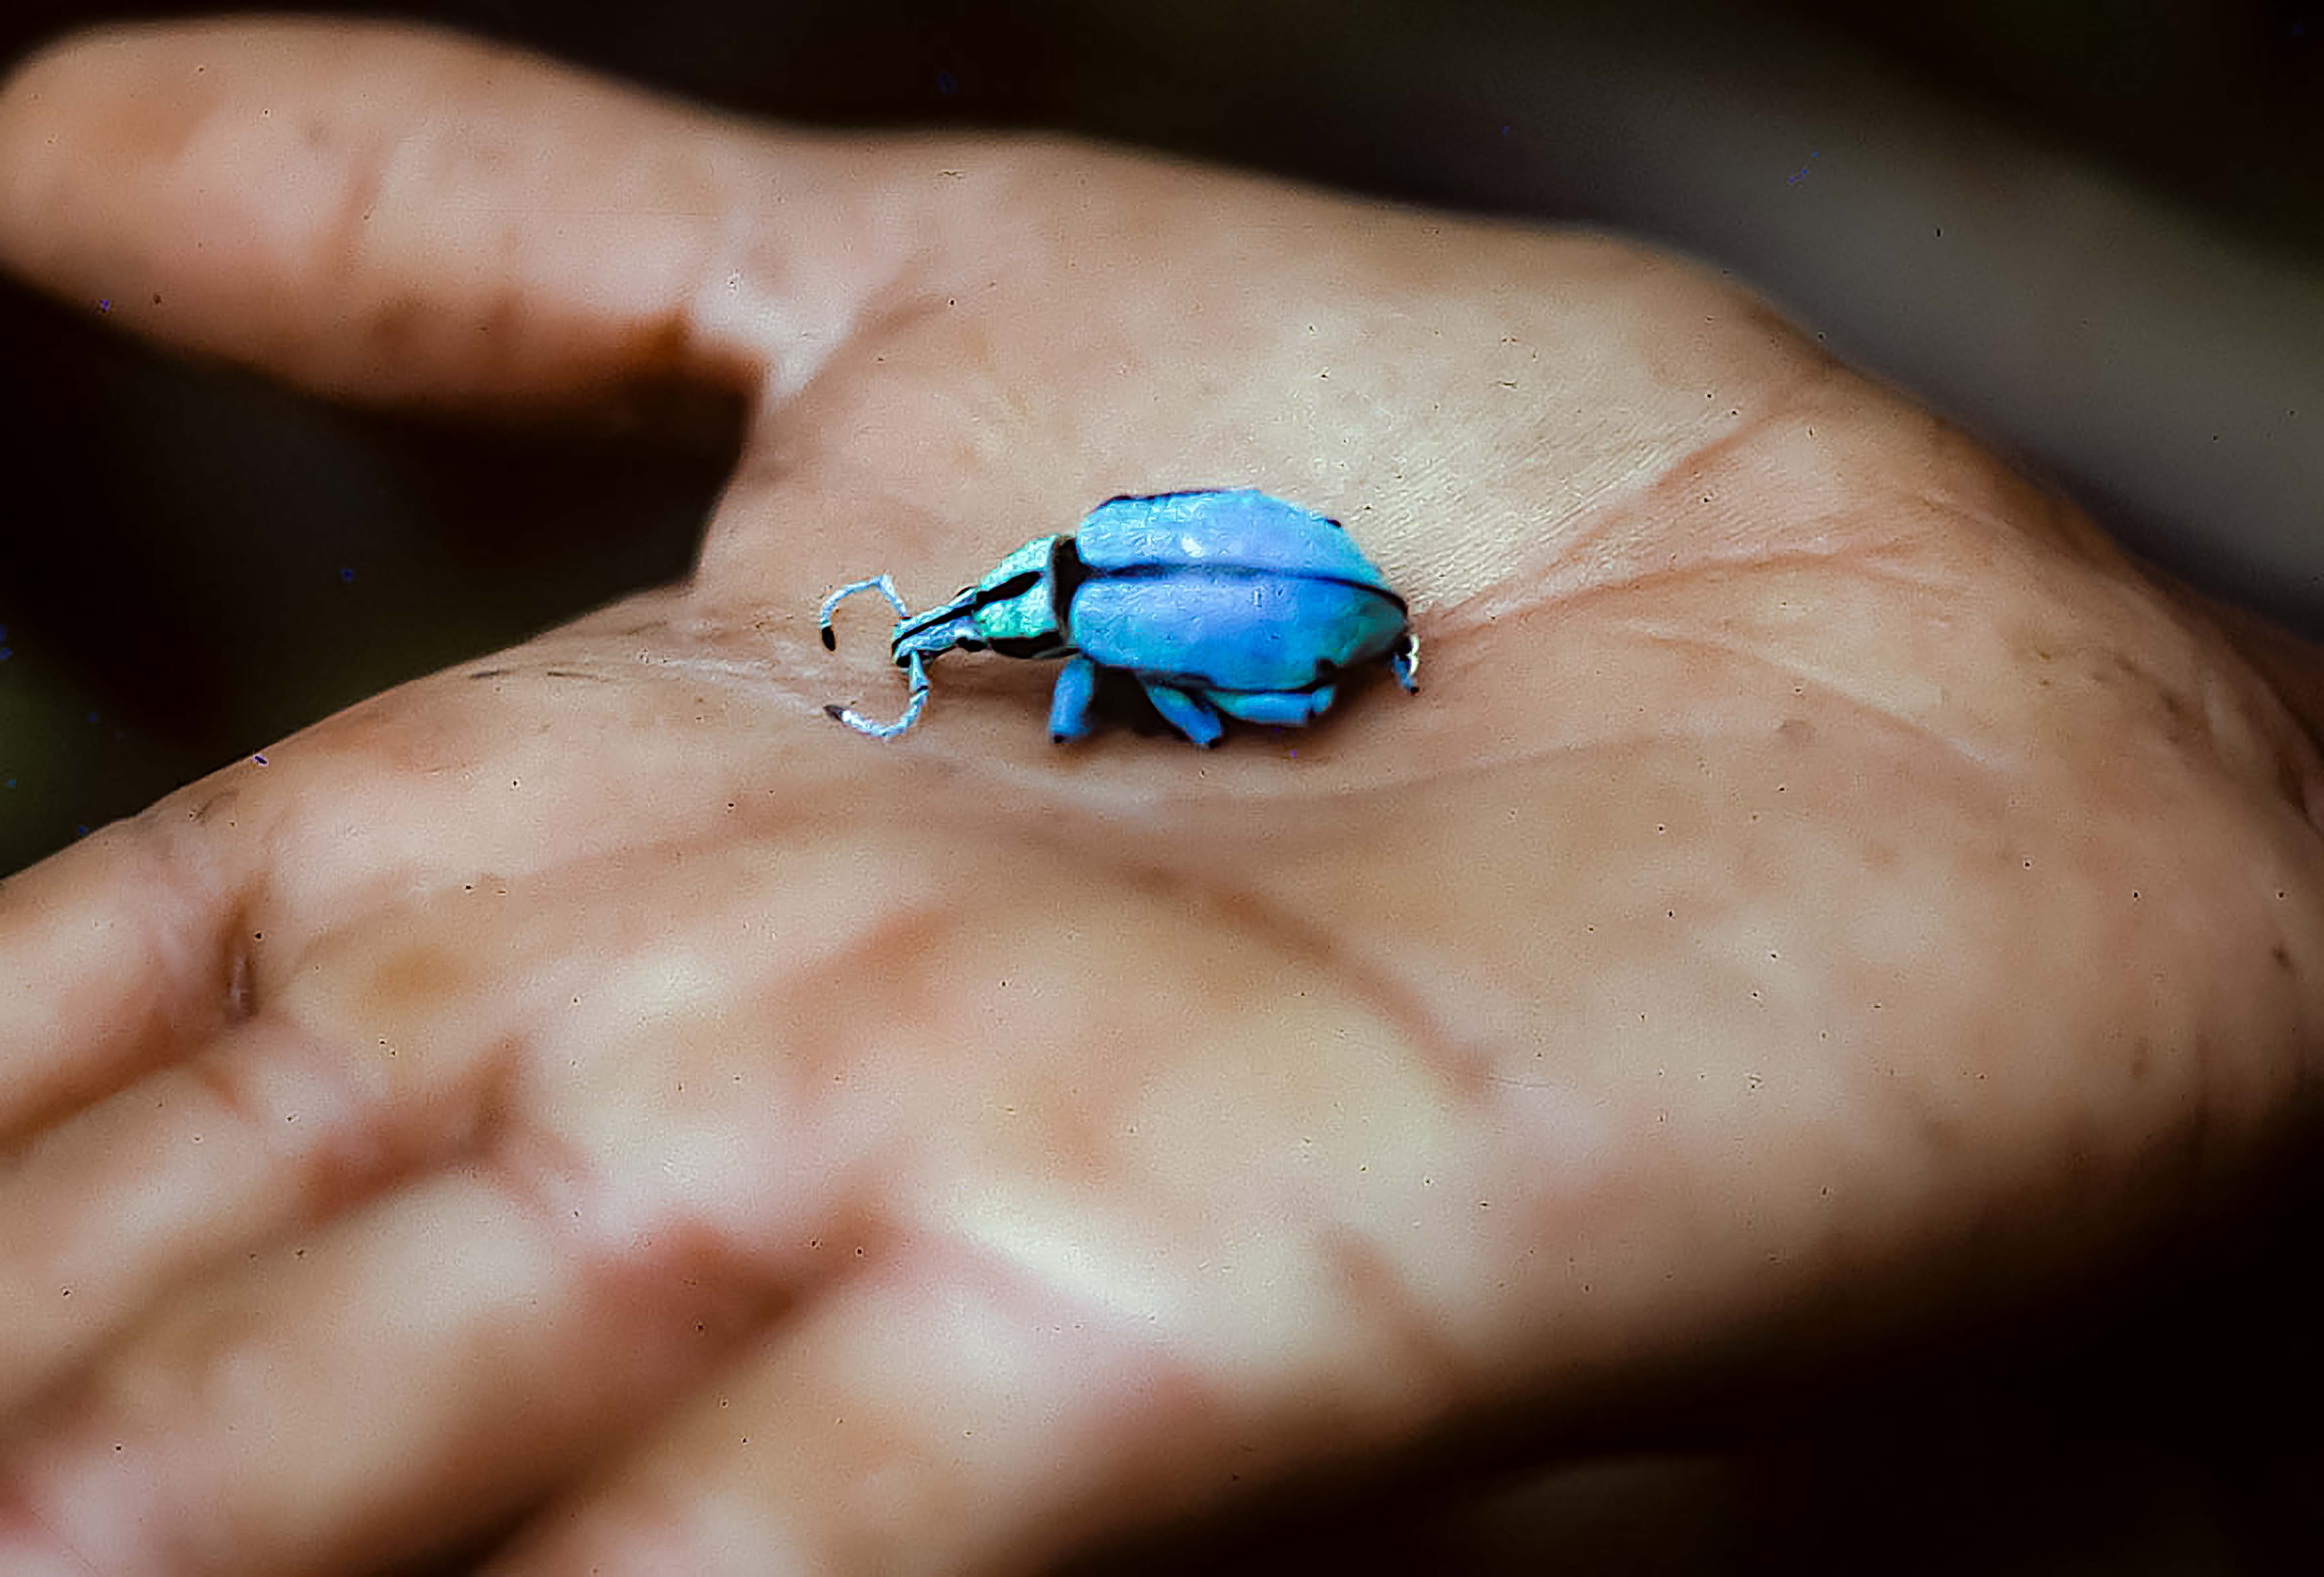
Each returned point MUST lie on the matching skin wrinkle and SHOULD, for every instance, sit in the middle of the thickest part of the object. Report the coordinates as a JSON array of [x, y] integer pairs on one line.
[[358, 154], [1150, 1381], [2180, 722], [235, 1086], [777, 369], [1925, 1125], [180, 946], [360, 1158], [189, 851], [2053, 521], [2183, 719], [407, 980], [175, 870], [1810, 368], [2236, 718], [19, 1509], [1292, 802], [893, 1458], [384, 1134], [159, 1535], [1470, 1073], [662, 348], [770, 375], [1110, 803], [240, 1006], [733, 1306], [344, 250], [1468, 617], [395, 324], [1557, 576], [354, 1159], [1467, 1068], [1251, 919], [2296, 772], [701, 647], [872, 956], [1430, 1367], [900, 934], [1078, 1133], [1923, 728], [556, 1185], [1779, 401], [315, 923]]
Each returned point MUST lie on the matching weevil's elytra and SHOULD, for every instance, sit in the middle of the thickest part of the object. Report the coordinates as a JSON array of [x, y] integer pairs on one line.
[[1215, 604]]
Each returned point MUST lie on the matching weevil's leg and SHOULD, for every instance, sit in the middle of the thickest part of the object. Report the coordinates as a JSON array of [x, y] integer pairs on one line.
[[878, 583], [1404, 662], [1283, 708], [855, 720], [1069, 703], [1190, 716]]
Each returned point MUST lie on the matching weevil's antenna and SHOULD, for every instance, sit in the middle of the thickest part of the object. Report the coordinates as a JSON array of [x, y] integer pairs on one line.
[[882, 584], [855, 720], [913, 665]]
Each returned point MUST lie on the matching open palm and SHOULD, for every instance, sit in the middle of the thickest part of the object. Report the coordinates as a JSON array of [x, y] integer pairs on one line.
[[590, 1079]]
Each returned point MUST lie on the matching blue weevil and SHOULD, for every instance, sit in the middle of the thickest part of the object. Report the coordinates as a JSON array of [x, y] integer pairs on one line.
[[1217, 604]]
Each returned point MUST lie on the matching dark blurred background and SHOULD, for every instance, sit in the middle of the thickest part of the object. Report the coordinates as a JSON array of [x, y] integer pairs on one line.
[[2093, 233]]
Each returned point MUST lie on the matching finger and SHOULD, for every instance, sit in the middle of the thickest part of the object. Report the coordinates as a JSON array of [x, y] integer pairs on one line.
[[670, 1214], [389, 213], [112, 953], [268, 1128], [403, 1379], [932, 1416], [145, 940]]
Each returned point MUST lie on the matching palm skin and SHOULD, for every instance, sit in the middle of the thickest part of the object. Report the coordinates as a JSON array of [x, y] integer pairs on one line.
[[589, 1079]]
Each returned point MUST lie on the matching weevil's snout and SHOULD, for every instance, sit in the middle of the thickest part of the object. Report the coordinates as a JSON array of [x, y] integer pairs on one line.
[[950, 628]]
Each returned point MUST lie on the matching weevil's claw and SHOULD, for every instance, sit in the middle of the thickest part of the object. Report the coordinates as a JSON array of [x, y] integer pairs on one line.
[[1404, 664]]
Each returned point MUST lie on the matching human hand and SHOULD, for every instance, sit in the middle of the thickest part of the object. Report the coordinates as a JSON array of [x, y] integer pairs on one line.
[[587, 1087]]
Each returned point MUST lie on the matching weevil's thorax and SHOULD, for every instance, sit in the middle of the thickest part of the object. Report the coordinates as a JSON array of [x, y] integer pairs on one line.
[[1013, 610]]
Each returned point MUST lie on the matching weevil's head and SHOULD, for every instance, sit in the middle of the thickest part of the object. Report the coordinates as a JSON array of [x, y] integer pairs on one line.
[[1011, 611]]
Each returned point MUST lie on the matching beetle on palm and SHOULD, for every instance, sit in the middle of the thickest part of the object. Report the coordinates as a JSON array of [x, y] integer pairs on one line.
[[1212, 605]]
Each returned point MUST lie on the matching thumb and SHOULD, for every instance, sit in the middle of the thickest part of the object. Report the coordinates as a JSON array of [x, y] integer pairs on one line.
[[385, 213]]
